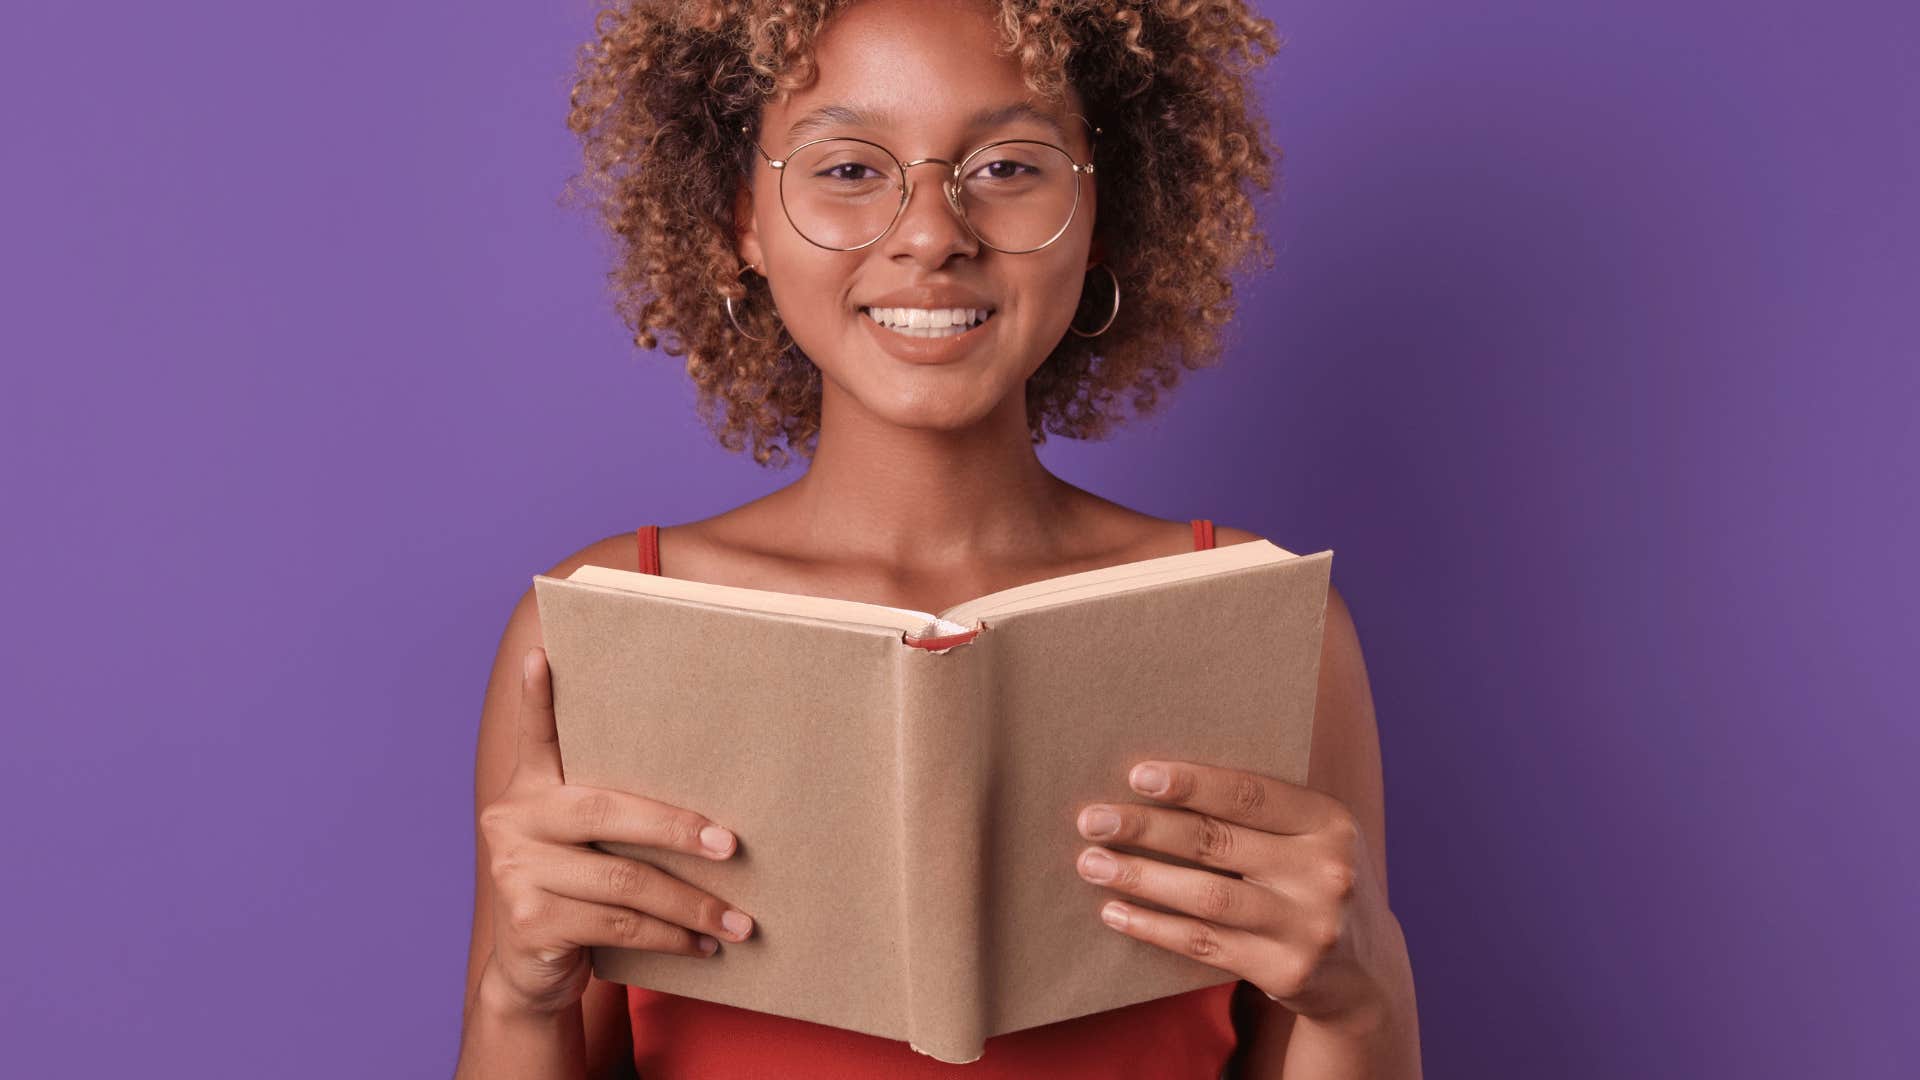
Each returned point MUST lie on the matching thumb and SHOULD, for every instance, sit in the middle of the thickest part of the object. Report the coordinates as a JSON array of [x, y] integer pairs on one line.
[[539, 750]]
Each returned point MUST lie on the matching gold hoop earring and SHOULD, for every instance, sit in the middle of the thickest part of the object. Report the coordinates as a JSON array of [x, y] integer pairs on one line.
[[734, 319], [1116, 304]]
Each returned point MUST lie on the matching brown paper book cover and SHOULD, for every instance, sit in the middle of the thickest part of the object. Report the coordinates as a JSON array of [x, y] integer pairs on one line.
[[905, 784]]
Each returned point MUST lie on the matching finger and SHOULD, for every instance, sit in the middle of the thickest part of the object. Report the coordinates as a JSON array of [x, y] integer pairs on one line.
[[1247, 955], [585, 874], [1202, 893], [1195, 837], [552, 924], [579, 814], [539, 746], [1245, 798]]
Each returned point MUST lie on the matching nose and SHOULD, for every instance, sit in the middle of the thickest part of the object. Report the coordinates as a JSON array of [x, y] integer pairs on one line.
[[945, 231]]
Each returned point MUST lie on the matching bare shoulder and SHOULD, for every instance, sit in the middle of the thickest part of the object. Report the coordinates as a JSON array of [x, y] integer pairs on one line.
[[620, 551], [758, 544], [1224, 535], [1110, 532]]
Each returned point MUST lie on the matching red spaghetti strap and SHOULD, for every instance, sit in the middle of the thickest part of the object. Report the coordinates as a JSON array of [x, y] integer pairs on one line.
[[1202, 534], [649, 538]]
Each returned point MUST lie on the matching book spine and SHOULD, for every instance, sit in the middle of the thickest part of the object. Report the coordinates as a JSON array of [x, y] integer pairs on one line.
[[942, 750]]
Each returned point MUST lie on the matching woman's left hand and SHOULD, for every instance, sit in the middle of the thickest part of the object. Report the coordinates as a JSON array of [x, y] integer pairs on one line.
[[1305, 921]]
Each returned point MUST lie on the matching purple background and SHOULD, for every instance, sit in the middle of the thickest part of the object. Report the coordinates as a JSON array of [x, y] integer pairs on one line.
[[1590, 350]]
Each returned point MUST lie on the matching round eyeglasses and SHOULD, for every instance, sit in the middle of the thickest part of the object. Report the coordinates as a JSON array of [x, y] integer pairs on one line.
[[1014, 196]]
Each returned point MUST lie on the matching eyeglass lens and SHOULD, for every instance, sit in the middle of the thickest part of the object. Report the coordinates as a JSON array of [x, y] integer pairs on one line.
[[844, 193]]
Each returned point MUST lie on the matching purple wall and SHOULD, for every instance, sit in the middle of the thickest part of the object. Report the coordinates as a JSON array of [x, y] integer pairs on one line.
[[1583, 352]]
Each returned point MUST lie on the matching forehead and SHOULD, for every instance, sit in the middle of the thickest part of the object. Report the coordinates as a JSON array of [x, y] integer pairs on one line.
[[899, 65]]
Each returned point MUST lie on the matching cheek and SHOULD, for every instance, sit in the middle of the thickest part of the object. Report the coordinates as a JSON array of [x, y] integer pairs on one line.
[[810, 287], [1057, 292], [1067, 268]]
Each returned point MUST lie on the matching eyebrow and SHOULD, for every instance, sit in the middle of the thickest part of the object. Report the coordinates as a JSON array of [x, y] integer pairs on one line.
[[829, 116]]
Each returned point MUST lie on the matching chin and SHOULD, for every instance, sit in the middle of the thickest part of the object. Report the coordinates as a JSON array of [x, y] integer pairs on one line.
[[931, 408], [937, 415]]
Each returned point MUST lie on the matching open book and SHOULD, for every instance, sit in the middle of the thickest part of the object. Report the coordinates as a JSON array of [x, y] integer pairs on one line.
[[905, 784]]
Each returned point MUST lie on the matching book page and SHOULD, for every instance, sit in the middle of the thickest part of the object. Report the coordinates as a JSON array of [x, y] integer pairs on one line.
[[1070, 587], [915, 623], [960, 618]]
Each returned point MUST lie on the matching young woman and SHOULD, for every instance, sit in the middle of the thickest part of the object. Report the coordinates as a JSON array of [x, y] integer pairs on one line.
[[960, 223]]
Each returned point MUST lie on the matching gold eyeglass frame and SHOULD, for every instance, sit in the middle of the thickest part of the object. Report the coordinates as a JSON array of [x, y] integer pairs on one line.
[[950, 185]]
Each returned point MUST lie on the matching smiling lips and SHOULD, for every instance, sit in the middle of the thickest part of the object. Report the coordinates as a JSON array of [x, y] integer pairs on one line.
[[893, 330]]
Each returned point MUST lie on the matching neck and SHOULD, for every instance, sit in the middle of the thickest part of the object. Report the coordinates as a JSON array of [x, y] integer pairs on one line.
[[924, 498]]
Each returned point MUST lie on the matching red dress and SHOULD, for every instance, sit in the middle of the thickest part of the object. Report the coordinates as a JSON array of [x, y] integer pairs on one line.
[[1186, 1036]]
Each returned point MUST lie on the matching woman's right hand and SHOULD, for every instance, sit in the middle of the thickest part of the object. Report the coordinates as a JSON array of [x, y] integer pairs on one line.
[[554, 896]]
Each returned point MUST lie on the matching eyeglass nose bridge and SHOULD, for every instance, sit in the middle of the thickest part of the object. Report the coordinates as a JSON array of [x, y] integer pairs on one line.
[[949, 185]]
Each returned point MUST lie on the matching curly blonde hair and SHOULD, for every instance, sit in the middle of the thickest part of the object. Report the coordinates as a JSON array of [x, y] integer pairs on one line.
[[663, 91]]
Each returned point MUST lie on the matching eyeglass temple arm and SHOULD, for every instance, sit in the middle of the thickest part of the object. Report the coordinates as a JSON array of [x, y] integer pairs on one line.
[[755, 143]]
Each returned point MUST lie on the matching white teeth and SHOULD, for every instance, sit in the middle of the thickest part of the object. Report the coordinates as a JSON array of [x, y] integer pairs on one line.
[[928, 322]]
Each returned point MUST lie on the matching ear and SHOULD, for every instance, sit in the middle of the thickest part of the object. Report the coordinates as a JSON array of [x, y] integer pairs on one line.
[[746, 231]]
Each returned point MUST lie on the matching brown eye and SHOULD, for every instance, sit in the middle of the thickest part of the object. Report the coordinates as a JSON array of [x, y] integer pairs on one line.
[[850, 171], [1006, 170]]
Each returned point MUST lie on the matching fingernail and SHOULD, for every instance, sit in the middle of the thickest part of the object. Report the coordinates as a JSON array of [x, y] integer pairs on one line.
[[1150, 780], [708, 944], [716, 839], [1099, 822], [1115, 916], [1097, 865], [737, 923]]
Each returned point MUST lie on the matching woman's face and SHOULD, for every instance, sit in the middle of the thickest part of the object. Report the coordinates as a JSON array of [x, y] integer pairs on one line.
[[918, 72]]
